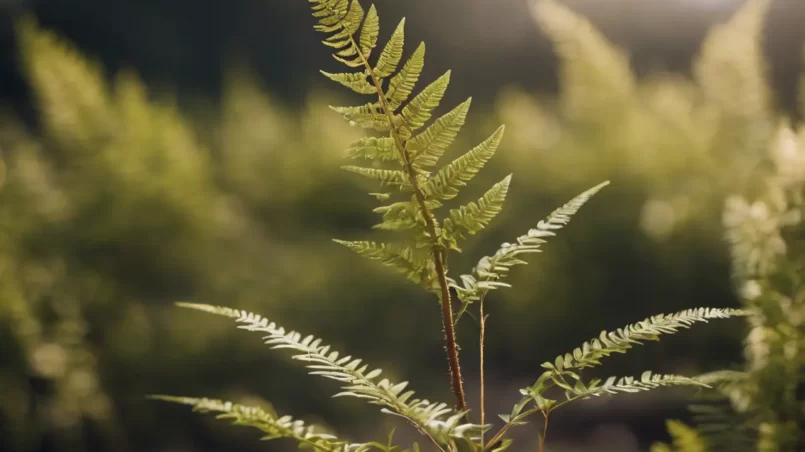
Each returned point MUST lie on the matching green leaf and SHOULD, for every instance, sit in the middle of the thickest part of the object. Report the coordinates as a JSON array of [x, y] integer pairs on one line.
[[427, 148], [418, 111], [384, 176], [392, 53], [402, 84], [445, 183], [415, 266], [472, 218], [369, 32], [400, 216], [373, 148], [355, 81]]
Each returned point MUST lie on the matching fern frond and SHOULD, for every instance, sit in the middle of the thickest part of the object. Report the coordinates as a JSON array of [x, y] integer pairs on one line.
[[355, 81], [418, 111], [369, 32], [267, 421], [415, 266], [399, 216], [367, 116], [402, 84], [445, 183], [384, 176], [646, 382], [472, 218], [373, 148], [392, 52], [437, 420], [427, 148], [685, 439], [491, 269], [622, 339]]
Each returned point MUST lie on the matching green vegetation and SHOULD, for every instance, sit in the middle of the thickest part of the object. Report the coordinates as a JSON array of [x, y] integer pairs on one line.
[[120, 202]]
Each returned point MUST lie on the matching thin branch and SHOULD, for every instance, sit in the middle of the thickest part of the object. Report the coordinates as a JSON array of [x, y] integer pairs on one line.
[[507, 426], [481, 358], [451, 347], [544, 432]]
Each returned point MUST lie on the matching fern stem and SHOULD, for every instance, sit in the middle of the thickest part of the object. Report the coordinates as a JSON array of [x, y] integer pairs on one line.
[[451, 347], [544, 432], [481, 364]]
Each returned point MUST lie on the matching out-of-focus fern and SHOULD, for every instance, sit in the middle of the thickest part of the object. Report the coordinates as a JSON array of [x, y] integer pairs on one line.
[[403, 160], [763, 407]]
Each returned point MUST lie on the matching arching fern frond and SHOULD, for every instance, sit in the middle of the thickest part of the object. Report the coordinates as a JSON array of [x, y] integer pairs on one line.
[[437, 420], [272, 425], [622, 339], [472, 218], [490, 270]]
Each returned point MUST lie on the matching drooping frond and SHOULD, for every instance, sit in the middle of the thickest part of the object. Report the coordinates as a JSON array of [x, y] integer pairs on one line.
[[437, 420], [472, 218], [272, 425], [427, 148], [684, 437], [414, 264], [373, 148], [402, 84], [445, 183], [489, 271], [392, 53], [622, 339], [419, 110], [384, 176]]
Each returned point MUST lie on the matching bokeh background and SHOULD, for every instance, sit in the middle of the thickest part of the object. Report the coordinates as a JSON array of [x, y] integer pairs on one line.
[[155, 152]]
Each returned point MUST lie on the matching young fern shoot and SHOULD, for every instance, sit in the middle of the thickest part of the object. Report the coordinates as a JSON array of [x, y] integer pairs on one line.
[[404, 159]]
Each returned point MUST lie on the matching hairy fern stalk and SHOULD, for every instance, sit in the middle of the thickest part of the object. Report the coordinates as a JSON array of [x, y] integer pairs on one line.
[[404, 160]]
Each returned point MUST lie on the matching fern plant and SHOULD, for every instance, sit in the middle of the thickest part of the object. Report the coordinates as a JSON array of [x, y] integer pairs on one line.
[[404, 161], [762, 407]]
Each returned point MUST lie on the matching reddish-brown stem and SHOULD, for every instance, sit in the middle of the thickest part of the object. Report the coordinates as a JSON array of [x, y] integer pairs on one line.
[[481, 359], [437, 250]]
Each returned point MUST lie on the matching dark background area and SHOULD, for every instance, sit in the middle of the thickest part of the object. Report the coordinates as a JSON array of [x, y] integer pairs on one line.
[[185, 45]]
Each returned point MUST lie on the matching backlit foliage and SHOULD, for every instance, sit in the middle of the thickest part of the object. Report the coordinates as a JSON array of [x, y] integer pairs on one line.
[[762, 407], [404, 160]]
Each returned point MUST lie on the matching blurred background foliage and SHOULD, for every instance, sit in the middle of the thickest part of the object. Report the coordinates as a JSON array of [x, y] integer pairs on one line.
[[118, 198]]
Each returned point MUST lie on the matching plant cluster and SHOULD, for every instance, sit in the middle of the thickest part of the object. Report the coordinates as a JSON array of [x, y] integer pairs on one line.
[[403, 160]]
